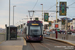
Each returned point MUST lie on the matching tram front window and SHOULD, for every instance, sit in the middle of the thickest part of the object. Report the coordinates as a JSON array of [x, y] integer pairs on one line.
[[35, 30]]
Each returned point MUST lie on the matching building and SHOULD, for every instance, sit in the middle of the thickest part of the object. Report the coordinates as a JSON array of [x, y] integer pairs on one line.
[[71, 24]]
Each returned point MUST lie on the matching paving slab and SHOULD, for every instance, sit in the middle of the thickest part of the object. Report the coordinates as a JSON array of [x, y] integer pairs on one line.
[[13, 44], [10, 47]]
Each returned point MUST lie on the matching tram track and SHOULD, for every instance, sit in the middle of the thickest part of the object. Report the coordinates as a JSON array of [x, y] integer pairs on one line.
[[47, 44], [39, 44], [32, 46]]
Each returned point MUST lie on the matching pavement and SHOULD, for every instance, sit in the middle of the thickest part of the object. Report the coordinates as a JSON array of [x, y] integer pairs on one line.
[[61, 40], [20, 43], [13, 44]]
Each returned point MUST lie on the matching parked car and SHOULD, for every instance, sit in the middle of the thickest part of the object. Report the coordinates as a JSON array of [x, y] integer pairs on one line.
[[48, 33], [69, 33]]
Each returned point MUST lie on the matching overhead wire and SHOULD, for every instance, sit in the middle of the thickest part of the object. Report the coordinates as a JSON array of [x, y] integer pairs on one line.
[[52, 6], [35, 5], [55, 5], [71, 4]]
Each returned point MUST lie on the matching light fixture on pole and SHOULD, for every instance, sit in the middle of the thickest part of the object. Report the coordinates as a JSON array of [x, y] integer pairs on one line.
[[42, 11], [13, 14]]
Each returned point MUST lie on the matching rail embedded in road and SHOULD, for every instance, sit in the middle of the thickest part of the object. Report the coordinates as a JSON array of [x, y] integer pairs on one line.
[[48, 44]]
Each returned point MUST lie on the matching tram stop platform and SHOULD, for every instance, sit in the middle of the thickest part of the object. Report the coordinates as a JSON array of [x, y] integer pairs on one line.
[[13, 44], [61, 40]]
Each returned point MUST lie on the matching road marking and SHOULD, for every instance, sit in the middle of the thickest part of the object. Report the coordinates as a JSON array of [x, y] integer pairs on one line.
[[24, 41]]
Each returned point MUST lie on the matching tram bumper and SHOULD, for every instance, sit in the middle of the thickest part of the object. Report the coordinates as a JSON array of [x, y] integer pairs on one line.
[[39, 38]]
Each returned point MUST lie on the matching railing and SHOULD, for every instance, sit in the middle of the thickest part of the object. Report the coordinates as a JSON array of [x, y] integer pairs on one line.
[[64, 36]]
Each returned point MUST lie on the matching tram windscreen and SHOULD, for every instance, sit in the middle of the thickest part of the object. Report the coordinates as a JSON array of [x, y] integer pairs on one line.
[[35, 30]]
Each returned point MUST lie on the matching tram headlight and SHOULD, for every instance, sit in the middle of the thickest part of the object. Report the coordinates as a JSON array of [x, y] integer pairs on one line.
[[27, 37], [40, 36]]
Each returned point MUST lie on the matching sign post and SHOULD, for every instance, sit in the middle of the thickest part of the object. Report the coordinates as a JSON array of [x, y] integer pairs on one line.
[[56, 27]]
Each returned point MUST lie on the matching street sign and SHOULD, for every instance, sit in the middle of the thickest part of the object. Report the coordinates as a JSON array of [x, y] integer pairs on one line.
[[56, 25], [62, 8], [46, 17]]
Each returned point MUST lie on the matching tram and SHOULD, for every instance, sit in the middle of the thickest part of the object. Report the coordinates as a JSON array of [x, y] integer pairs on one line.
[[34, 30]]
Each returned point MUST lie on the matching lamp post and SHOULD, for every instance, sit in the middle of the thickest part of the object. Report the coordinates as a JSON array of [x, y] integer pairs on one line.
[[56, 10], [9, 22], [13, 14], [42, 11], [42, 16], [56, 18]]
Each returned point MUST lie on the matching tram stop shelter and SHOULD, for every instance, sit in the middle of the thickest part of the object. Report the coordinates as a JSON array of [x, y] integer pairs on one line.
[[13, 33]]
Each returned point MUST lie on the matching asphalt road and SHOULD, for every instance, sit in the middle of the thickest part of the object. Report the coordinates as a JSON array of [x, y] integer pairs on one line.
[[48, 44]]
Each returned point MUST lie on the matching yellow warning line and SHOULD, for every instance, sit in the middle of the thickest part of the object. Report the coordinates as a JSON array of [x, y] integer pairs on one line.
[[24, 41], [62, 41]]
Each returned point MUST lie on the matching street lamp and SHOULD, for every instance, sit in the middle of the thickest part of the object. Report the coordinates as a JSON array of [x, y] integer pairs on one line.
[[56, 18], [9, 21], [42, 11], [13, 14], [56, 10]]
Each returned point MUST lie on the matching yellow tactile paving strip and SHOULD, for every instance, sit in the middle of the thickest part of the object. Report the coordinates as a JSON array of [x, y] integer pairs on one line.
[[63, 41], [24, 41]]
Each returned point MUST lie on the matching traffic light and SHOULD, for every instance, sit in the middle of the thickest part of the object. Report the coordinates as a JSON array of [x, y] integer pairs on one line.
[[62, 8], [63, 21], [46, 15]]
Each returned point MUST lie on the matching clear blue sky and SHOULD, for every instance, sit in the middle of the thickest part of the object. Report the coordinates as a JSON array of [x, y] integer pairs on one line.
[[22, 7]]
